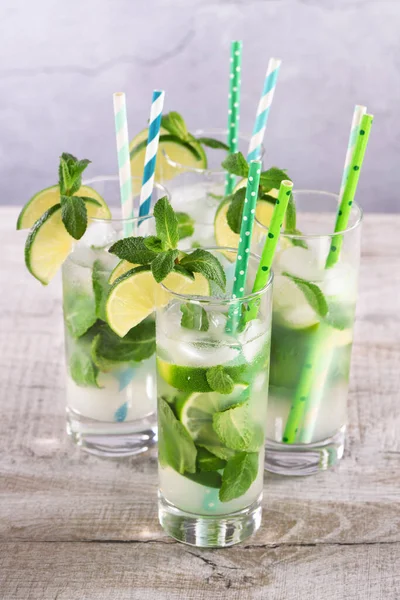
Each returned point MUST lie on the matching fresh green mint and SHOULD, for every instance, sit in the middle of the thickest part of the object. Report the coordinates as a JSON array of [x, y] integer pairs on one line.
[[213, 143], [160, 252], [236, 164], [220, 452], [239, 474], [194, 317], [101, 288], [175, 446], [272, 178], [174, 124], [236, 430], [73, 208], [210, 479], [137, 345], [185, 225], [166, 224], [81, 367], [235, 210], [206, 461], [79, 312], [219, 380], [291, 223], [313, 294]]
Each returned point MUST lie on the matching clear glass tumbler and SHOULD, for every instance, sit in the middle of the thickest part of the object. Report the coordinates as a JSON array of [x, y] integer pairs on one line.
[[312, 333], [199, 192], [110, 383], [212, 401]]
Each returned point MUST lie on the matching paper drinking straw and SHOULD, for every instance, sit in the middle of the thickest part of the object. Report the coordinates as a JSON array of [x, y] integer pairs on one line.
[[243, 252], [263, 109], [271, 241], [151, 152], [359, 112], [350, 188], [234, 108], [124, 165]]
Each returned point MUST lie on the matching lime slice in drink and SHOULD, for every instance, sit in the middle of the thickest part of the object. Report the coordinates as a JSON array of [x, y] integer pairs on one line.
[[135, 295], [50, 196], [48, 243], [194, 379], [196, 412], [178, 152], [290, 306], [122, 267]]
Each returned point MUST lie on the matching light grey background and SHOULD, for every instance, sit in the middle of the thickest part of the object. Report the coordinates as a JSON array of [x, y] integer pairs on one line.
[[61, 62]]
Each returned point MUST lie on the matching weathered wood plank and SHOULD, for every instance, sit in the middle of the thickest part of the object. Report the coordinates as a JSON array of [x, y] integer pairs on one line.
[[149, 571]]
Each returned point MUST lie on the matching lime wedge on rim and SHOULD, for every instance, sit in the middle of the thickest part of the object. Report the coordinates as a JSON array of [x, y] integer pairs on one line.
[[48, 243], [196, 410], [45, 199], [135, 295], [176, 150]]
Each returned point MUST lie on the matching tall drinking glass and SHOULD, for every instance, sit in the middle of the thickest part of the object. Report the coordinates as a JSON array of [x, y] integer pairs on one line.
[[312, 333], [110, 383], [200, 191], [212, 401]]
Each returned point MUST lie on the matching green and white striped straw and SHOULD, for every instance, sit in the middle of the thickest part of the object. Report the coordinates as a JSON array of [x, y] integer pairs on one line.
[[124, 164], [350, 188], [234, 107], [243, 252], [271, 241]]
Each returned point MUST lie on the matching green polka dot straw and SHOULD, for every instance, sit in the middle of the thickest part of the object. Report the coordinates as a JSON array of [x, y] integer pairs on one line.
[[243, 253], [350, 189]]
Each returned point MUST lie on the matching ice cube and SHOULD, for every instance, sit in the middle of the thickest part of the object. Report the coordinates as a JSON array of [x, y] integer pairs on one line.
[[190, 351], [340, 283], [320, 249], [100, 234], [300, 262], [253, 339], [290, 304]]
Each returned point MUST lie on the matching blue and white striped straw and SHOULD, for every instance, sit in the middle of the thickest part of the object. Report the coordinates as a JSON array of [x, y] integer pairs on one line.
[[359, 111], [151, 152], [124, 165], [263, 109]]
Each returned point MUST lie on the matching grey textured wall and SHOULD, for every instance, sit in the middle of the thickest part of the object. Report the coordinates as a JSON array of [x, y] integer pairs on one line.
[[61, 61]]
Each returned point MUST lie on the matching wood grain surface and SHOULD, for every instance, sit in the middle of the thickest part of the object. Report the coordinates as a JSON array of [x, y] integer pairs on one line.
[[75, 527]]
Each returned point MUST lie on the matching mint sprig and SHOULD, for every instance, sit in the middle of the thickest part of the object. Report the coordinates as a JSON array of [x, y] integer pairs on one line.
[[219, 380], [239, 474], [73, 208], [160, 252], [194, 317], [313, 294]]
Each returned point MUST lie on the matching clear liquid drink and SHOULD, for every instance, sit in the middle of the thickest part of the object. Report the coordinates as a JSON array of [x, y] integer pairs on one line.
[[212, 401]]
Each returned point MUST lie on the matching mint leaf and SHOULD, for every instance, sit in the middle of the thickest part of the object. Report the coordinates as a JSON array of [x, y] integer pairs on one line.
[[163, 264], [166, 224], [101, 288], [79, 312], [206, 461], [215, 196], [134, 250], [213, 143], [271, 179], [175, 446], [201, 261], [236, 164], [313, 294], [81, 368], [239, 474], [235, 210], [219, 380], [236, 430], [63, 176], [290, 223], [183, 271], [173, 122], [194, 317], [137, 345], [185, 225], [74, 215], [153, 243], [221, 452], [211, 479]]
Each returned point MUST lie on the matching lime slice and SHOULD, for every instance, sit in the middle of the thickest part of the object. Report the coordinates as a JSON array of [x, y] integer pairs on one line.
[[122, 267], [48, 243], [177, 152], [135, 295], [196, 411], [45, 199], [194, 379]]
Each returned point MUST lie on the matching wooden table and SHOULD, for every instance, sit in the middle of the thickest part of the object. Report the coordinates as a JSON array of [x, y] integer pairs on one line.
[[73, 526]]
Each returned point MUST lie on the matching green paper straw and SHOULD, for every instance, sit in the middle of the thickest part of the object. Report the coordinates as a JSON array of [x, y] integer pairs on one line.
[[350, 189], [243, 252], [234, 108], [271, 241]]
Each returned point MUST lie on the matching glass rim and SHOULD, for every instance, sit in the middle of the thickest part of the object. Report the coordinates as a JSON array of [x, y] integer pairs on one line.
[[305, 236], [214, 301], [123, 220], [210, 132]]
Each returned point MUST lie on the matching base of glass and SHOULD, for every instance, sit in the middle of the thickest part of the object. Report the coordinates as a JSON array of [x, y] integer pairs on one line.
[[112, 439], [304, 459], [202, 531]]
